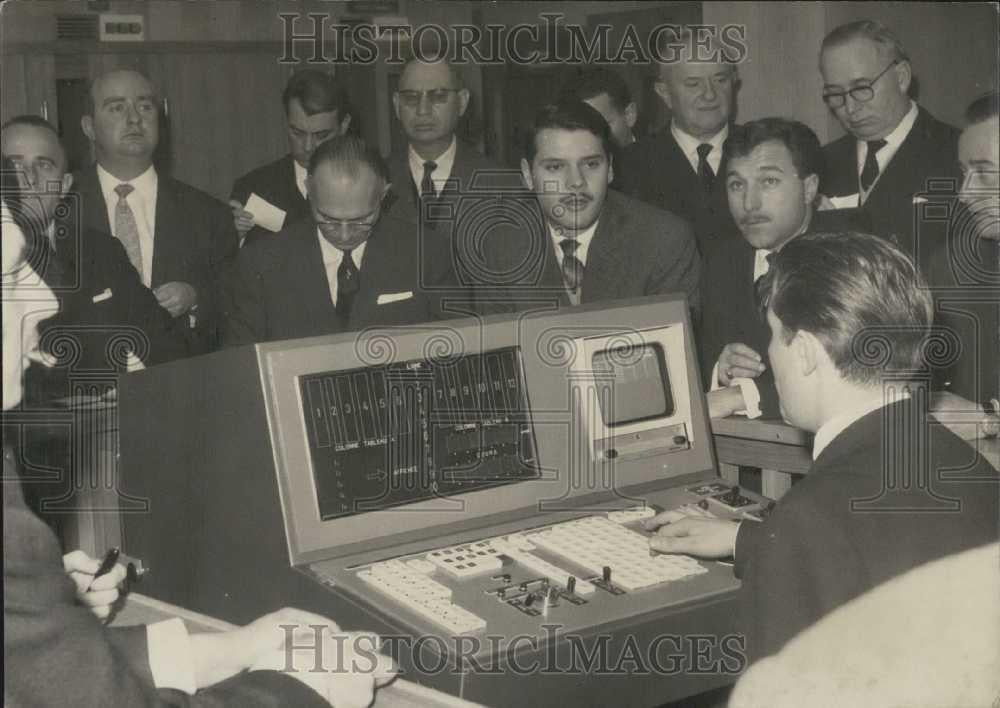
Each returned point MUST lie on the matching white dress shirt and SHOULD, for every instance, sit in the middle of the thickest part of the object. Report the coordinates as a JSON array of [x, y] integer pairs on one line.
[[893, 141], [689, 146], [300, 179], [332, 258], [142, 201], [441, 173]]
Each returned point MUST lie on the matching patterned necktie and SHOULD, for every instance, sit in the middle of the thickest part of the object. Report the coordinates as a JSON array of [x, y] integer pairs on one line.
[[427, 184], [705, 172], [126, 228], [572, 268], [869, 173], [348, 284]]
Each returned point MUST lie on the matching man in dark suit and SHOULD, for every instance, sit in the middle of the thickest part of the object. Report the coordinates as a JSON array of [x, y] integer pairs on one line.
[[849, 316], [101, 298], [450, 188], [57, 652], [965, 276], [582, 242], [677, 169], [316, 109], [177, 237], [895, 153], [604, 90], [350, 267], [771, 172]]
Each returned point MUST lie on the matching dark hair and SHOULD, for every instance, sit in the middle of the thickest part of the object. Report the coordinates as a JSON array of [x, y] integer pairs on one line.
[[568, 115], [349, 153], [868, 29], [318, 92], [592, 81], [983, 108], [801, 141], [858, 294]]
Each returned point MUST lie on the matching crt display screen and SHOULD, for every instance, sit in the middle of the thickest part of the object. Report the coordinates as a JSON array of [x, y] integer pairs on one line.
[[634, 382], [391, 435]]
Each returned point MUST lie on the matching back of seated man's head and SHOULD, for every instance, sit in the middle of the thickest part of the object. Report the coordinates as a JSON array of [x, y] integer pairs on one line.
[[859, 295], [316, 108], [605, 90], [772, 169]]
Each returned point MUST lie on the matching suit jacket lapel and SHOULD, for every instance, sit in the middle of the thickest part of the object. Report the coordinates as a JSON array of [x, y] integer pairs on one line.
[[606, 267], [904, 164], [293, 195], [95, 209], [314, 286]]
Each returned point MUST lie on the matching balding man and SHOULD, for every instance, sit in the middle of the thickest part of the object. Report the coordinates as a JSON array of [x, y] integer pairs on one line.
[[349, 267], [678, 169], [893, 148], [177, 237]]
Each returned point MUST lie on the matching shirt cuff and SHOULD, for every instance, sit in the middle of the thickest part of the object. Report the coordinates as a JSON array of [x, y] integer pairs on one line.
[[715, 378], [751, 397], [170, 658]]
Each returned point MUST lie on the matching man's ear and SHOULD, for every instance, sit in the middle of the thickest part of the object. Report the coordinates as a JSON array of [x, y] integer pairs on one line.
[[663, 92], [526, 175], [345, 124], [463, 101], [811, 186], [87, 124], [395, 103], [904, 75], [808, 352], [611, 169], [631, 115], [67, 182]]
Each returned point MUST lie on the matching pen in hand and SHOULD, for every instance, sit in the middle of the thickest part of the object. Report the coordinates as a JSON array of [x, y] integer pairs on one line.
[[110, 558]]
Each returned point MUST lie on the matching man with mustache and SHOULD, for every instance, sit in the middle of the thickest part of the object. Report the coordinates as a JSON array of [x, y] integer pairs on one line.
[[893, 147], [588, 243], [177, 237], [771, 169]]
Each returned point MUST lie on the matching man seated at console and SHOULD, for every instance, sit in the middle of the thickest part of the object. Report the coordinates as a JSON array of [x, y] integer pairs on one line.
[[771, 169], [849, 317], [581, 242], [353, 265], [57, 652]]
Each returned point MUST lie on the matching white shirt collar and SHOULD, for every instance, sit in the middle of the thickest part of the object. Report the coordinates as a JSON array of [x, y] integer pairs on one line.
[[840, 422], [583, 238], [445, 161], [333, 257], [300, 178], [144, 185], [689, 146], [893, 141]]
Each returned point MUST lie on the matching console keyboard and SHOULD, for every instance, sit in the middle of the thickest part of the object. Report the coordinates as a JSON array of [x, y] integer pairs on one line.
[[425, 596], [596, 543]]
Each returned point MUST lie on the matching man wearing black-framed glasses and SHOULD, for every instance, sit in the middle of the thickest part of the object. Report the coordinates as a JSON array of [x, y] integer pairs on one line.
[[351, 266], [894, 148]]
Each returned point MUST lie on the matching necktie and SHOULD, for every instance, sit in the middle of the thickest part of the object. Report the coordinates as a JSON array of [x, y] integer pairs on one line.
[[762, 264], [126, 228], [705, 172], [427, 184], [348, 284], [870, 170], [572, 268]]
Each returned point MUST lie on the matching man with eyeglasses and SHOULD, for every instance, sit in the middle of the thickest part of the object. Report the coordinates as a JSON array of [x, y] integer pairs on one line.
[[353, 265], [178, 238], [316, 109], [894, 148]]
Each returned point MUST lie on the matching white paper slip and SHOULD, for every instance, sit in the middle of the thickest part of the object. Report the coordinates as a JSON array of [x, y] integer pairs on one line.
[[849, 201], [386, 298], [265, 214]]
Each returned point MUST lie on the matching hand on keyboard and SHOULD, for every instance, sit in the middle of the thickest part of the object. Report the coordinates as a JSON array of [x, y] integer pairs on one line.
[[705, 538]]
